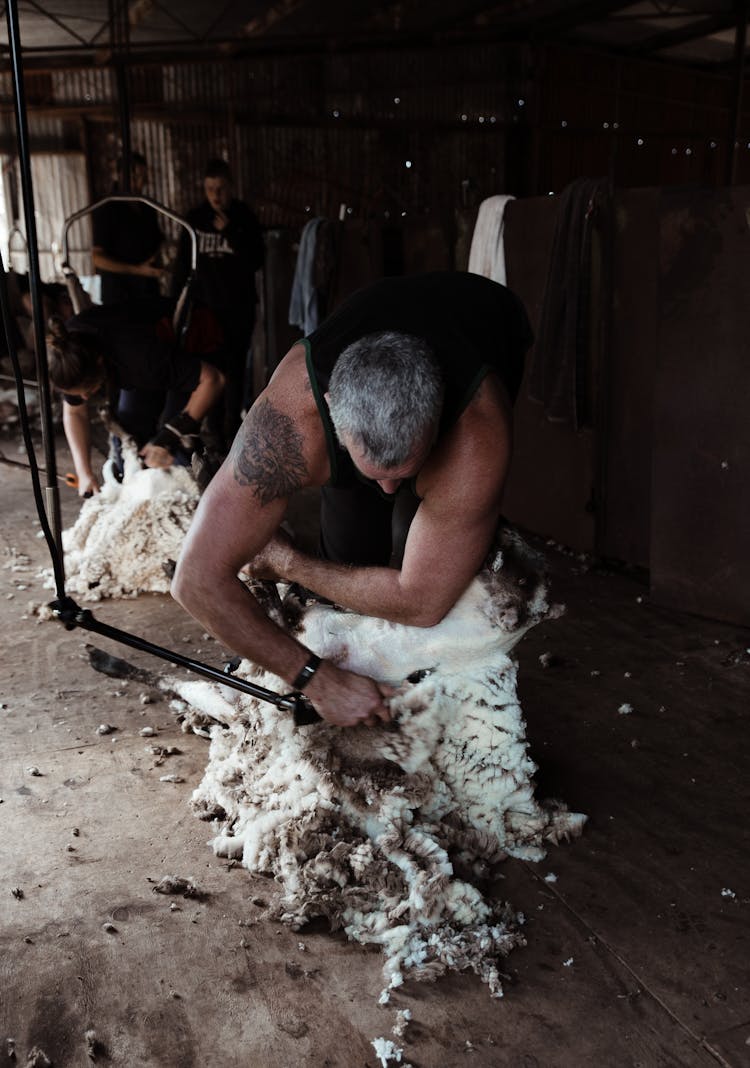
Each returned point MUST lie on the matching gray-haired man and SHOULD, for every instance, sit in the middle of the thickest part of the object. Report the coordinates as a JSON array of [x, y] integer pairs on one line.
[[399, 407]]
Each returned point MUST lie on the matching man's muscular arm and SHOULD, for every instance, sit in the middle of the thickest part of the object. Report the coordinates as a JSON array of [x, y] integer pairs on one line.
[[267, 455], [449, 537], [277, 451]]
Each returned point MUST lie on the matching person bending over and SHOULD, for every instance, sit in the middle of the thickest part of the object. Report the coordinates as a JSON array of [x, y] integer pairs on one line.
[[128, 357], [399, 407]]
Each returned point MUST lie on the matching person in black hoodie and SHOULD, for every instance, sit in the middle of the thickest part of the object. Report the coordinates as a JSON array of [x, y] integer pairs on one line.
[[230, 251]]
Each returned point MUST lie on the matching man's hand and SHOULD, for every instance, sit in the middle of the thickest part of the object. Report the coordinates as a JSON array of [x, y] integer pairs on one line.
[[149, 269], [345, 699], [156, 456], [87, 486], [274, 559]]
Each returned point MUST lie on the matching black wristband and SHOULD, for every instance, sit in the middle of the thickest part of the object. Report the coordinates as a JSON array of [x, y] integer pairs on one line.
[[182, 430], [184, 425], [306, 673], [166, 439]]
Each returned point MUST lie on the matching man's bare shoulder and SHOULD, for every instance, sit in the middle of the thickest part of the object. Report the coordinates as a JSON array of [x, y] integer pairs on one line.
[[291, 373], [280, 446], [471, 463], [490, 402]]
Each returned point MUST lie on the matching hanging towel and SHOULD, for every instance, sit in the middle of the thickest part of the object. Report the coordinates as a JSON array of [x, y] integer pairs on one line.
[[487, 253], [558, 375], [303, 304]]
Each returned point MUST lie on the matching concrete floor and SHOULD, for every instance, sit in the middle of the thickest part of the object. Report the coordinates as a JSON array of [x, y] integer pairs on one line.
[[637, 955]]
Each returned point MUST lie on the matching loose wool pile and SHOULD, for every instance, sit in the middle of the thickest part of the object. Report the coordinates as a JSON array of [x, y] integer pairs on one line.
[[385, 831], [127, 537]]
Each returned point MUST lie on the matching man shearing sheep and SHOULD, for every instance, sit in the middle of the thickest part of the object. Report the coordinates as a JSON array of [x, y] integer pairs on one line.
[[399, 408]]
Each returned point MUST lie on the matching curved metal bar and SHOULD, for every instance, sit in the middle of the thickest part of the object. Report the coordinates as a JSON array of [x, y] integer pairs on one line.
[[132, 198], [16, 229]]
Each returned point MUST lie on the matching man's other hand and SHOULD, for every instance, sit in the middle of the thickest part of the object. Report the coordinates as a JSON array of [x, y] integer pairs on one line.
[[156, 456], [87, 486], [274, 559], [150, 269], [345, 699]]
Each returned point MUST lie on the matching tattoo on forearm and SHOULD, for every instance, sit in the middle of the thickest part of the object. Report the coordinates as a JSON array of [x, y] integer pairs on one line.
[[267, 454]]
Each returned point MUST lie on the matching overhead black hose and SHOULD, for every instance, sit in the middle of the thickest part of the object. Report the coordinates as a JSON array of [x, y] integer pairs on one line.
[[51, 492], [57, 564]]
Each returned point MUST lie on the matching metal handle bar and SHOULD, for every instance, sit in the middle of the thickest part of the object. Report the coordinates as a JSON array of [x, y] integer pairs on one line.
[[130, 198], [69, 613]]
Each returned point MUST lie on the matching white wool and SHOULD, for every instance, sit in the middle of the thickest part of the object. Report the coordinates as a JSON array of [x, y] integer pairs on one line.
[[125, 535], [403, 1018], [386, 1051], [367, 827], [37, 1058]]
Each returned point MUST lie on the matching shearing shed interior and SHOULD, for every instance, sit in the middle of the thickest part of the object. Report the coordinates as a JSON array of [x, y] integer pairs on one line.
[[542, 860]]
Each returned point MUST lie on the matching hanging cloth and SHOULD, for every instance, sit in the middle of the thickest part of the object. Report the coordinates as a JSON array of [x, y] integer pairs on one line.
[[487, 253], [559, 369], [303, 304]]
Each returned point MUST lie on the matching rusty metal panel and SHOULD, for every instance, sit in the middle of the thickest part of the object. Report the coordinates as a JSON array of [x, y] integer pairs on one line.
[[700, 489], [390, 135], [308, 134], [154, 141], [195, 83], [641, 123], [59, 182], [85, 87]]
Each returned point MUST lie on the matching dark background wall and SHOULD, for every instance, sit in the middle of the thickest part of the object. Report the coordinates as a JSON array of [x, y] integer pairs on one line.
[[400, 146], [657, 477], [309, 132]]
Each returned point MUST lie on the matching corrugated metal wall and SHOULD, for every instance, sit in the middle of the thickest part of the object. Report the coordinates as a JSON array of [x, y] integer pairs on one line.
[[412, 134], [308, 134], [410, 142], [643, 123], [383, 132], [315, 130]]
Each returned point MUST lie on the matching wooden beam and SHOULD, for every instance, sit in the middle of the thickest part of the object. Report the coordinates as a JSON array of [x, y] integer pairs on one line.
[[276, 13], [735, 116], [703, 27], [545, 18]]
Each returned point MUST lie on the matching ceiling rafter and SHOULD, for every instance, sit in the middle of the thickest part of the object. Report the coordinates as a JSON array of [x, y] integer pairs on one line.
[[276, 13], [206, 35], [470, 17], [189, 30], [108, 24], [57, 21], [236, 27], [704, 27], [551, 16]]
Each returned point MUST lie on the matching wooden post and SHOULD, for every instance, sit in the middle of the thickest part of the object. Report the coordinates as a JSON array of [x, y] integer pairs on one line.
[[735, 113]]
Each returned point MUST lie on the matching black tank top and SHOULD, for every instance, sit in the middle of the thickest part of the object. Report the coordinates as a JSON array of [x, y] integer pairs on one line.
[[473, 326]]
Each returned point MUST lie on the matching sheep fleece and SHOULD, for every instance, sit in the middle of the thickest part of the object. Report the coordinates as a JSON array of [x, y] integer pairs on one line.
[[385, 831]]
